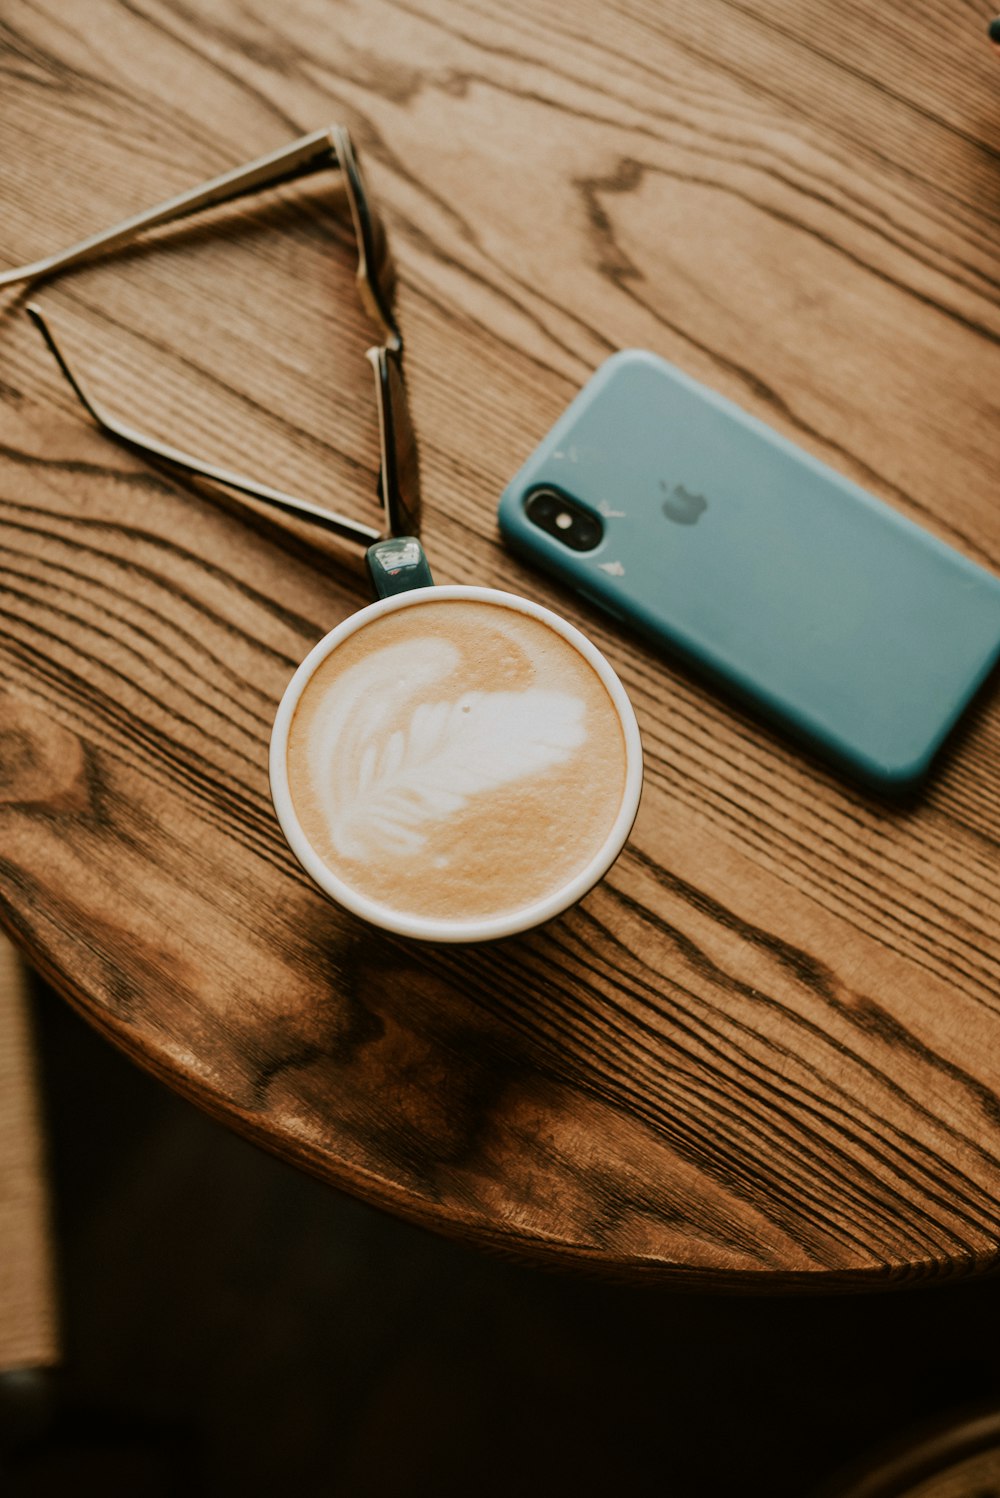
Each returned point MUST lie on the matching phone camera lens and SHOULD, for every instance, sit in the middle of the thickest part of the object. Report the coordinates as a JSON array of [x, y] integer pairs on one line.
[[564, 518]]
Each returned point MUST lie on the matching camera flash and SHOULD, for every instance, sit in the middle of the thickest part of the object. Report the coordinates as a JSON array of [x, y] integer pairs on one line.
[[564, 520]]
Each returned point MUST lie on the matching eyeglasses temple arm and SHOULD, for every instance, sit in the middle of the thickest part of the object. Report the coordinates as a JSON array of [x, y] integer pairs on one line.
[[149, 447], [308, 154]]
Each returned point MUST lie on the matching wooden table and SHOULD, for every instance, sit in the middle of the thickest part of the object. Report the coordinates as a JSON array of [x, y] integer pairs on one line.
[[765, 1051]]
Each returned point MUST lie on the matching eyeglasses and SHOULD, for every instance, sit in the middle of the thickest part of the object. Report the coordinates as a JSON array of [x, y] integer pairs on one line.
[[398, 482]]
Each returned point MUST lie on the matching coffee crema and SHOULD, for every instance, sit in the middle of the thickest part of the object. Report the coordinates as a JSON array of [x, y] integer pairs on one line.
[[458, 760]]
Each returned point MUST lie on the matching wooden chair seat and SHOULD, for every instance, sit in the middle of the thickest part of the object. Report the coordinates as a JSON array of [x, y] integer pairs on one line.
[[959, 1461]]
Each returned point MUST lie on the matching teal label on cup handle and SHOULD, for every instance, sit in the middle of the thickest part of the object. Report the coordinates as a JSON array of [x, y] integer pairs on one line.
[[398, 566]]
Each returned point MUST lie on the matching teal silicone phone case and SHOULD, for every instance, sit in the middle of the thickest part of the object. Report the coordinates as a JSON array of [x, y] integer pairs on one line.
[[726, 543]]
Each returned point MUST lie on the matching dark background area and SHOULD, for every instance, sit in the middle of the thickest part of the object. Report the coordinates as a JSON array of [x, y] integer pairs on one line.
[[232, 1326]]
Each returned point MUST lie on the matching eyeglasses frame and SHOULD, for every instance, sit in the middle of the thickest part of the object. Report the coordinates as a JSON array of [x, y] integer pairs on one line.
[[330, 147]]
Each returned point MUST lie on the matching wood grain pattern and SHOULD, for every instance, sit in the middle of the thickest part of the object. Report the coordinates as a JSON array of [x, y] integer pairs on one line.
[[764, 1052], [29, 1334]]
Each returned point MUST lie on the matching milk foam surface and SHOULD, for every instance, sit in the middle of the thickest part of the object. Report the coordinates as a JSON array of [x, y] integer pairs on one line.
[[457, 760]]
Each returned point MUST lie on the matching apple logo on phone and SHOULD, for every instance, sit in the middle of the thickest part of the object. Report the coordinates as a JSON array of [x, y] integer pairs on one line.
[[682, 505]]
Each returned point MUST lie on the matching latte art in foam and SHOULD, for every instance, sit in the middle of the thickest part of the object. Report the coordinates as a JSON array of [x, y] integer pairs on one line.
[[388, 763], [459, 759]]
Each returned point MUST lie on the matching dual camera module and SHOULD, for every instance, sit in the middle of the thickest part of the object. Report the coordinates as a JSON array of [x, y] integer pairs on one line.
[[565, 518]]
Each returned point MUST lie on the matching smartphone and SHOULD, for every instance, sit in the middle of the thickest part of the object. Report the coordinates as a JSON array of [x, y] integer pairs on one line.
[[721, 541]]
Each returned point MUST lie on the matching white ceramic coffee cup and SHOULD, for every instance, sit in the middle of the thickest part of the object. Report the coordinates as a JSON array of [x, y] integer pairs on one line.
[[454, 930]]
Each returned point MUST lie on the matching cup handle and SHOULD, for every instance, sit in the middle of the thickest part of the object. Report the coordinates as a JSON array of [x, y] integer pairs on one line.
[[397, 566]]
